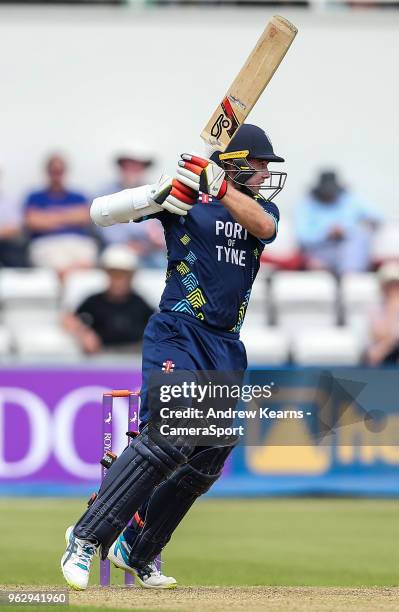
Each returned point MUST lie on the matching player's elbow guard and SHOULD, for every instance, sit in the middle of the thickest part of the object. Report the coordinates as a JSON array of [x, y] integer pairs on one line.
[[123, 206]]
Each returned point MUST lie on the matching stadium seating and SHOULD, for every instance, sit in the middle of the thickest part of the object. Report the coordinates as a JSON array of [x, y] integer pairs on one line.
[[79, 285], [359, 294], [29, 297], [42, 343], [303, 300], [257, 311], [5, 342], [329, 347], [386, 243], [284, 311], [36, 285], [82, 283], [150, 284], [29, 316], [268, 345]]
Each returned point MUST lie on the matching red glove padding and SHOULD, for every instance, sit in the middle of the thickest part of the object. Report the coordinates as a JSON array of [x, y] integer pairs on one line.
[[182, 192], [175, 197], [202, 175]]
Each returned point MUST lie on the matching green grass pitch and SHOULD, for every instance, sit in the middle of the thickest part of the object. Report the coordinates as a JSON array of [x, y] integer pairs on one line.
[[315, 542]]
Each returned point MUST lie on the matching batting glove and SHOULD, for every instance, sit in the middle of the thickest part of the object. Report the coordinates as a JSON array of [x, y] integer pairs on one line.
[[202, 175], [172, 195]]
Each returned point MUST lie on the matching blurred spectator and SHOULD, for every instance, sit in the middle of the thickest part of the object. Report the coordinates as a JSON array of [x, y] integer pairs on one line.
[[384, 324], [115, 318], [12, 243], [59, 223], [335, 228], [146, 239]]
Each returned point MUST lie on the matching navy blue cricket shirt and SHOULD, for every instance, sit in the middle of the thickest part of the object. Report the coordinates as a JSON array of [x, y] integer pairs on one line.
[[212, 263]]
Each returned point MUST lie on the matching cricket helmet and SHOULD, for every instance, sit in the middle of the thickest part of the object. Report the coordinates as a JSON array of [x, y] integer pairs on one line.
[[250, 142], [254, 140]]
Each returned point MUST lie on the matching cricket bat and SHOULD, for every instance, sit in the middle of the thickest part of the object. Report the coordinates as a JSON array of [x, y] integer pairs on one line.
[[250, 82]]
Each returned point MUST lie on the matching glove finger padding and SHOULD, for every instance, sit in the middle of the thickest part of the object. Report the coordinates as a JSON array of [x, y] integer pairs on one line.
[[202, 174], [188, 178], [198, 161], [174, 197], [182, 192], [176, 210], [177, 203], [181, 198]]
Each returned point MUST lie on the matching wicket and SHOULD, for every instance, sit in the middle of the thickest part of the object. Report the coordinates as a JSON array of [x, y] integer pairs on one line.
[[133, 417]]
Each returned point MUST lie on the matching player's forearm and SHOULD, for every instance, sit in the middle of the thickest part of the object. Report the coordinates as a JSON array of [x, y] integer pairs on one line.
[[132, 204], [249, 213], [123, 206]]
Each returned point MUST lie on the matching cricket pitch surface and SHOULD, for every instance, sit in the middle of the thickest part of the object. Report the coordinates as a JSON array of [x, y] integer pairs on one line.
[[218, 599]]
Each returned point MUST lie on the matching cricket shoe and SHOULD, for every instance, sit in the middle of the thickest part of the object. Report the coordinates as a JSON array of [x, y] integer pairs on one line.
[[148, 577], [76, 560]]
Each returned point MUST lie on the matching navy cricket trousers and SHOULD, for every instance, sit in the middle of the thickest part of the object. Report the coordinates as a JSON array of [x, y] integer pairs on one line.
[[181, 342]]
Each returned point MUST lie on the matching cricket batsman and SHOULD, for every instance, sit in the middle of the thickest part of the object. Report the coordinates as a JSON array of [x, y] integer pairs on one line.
[[217, 216]]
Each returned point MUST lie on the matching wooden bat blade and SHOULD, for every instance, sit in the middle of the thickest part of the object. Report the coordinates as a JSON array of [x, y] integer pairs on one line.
[[250, 82]]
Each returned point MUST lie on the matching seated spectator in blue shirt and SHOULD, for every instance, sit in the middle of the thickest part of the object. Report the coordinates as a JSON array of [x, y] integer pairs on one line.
[[12, 242], [334, 228], [145, 239], [59, 223]]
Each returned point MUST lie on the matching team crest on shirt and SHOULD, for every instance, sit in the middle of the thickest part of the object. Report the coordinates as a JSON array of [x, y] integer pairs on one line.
[[168, 366], [204, 198]]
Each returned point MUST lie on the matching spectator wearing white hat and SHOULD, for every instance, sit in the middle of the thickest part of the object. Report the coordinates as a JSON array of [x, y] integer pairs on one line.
[[384, 324], [146, 239], [115, 318]]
